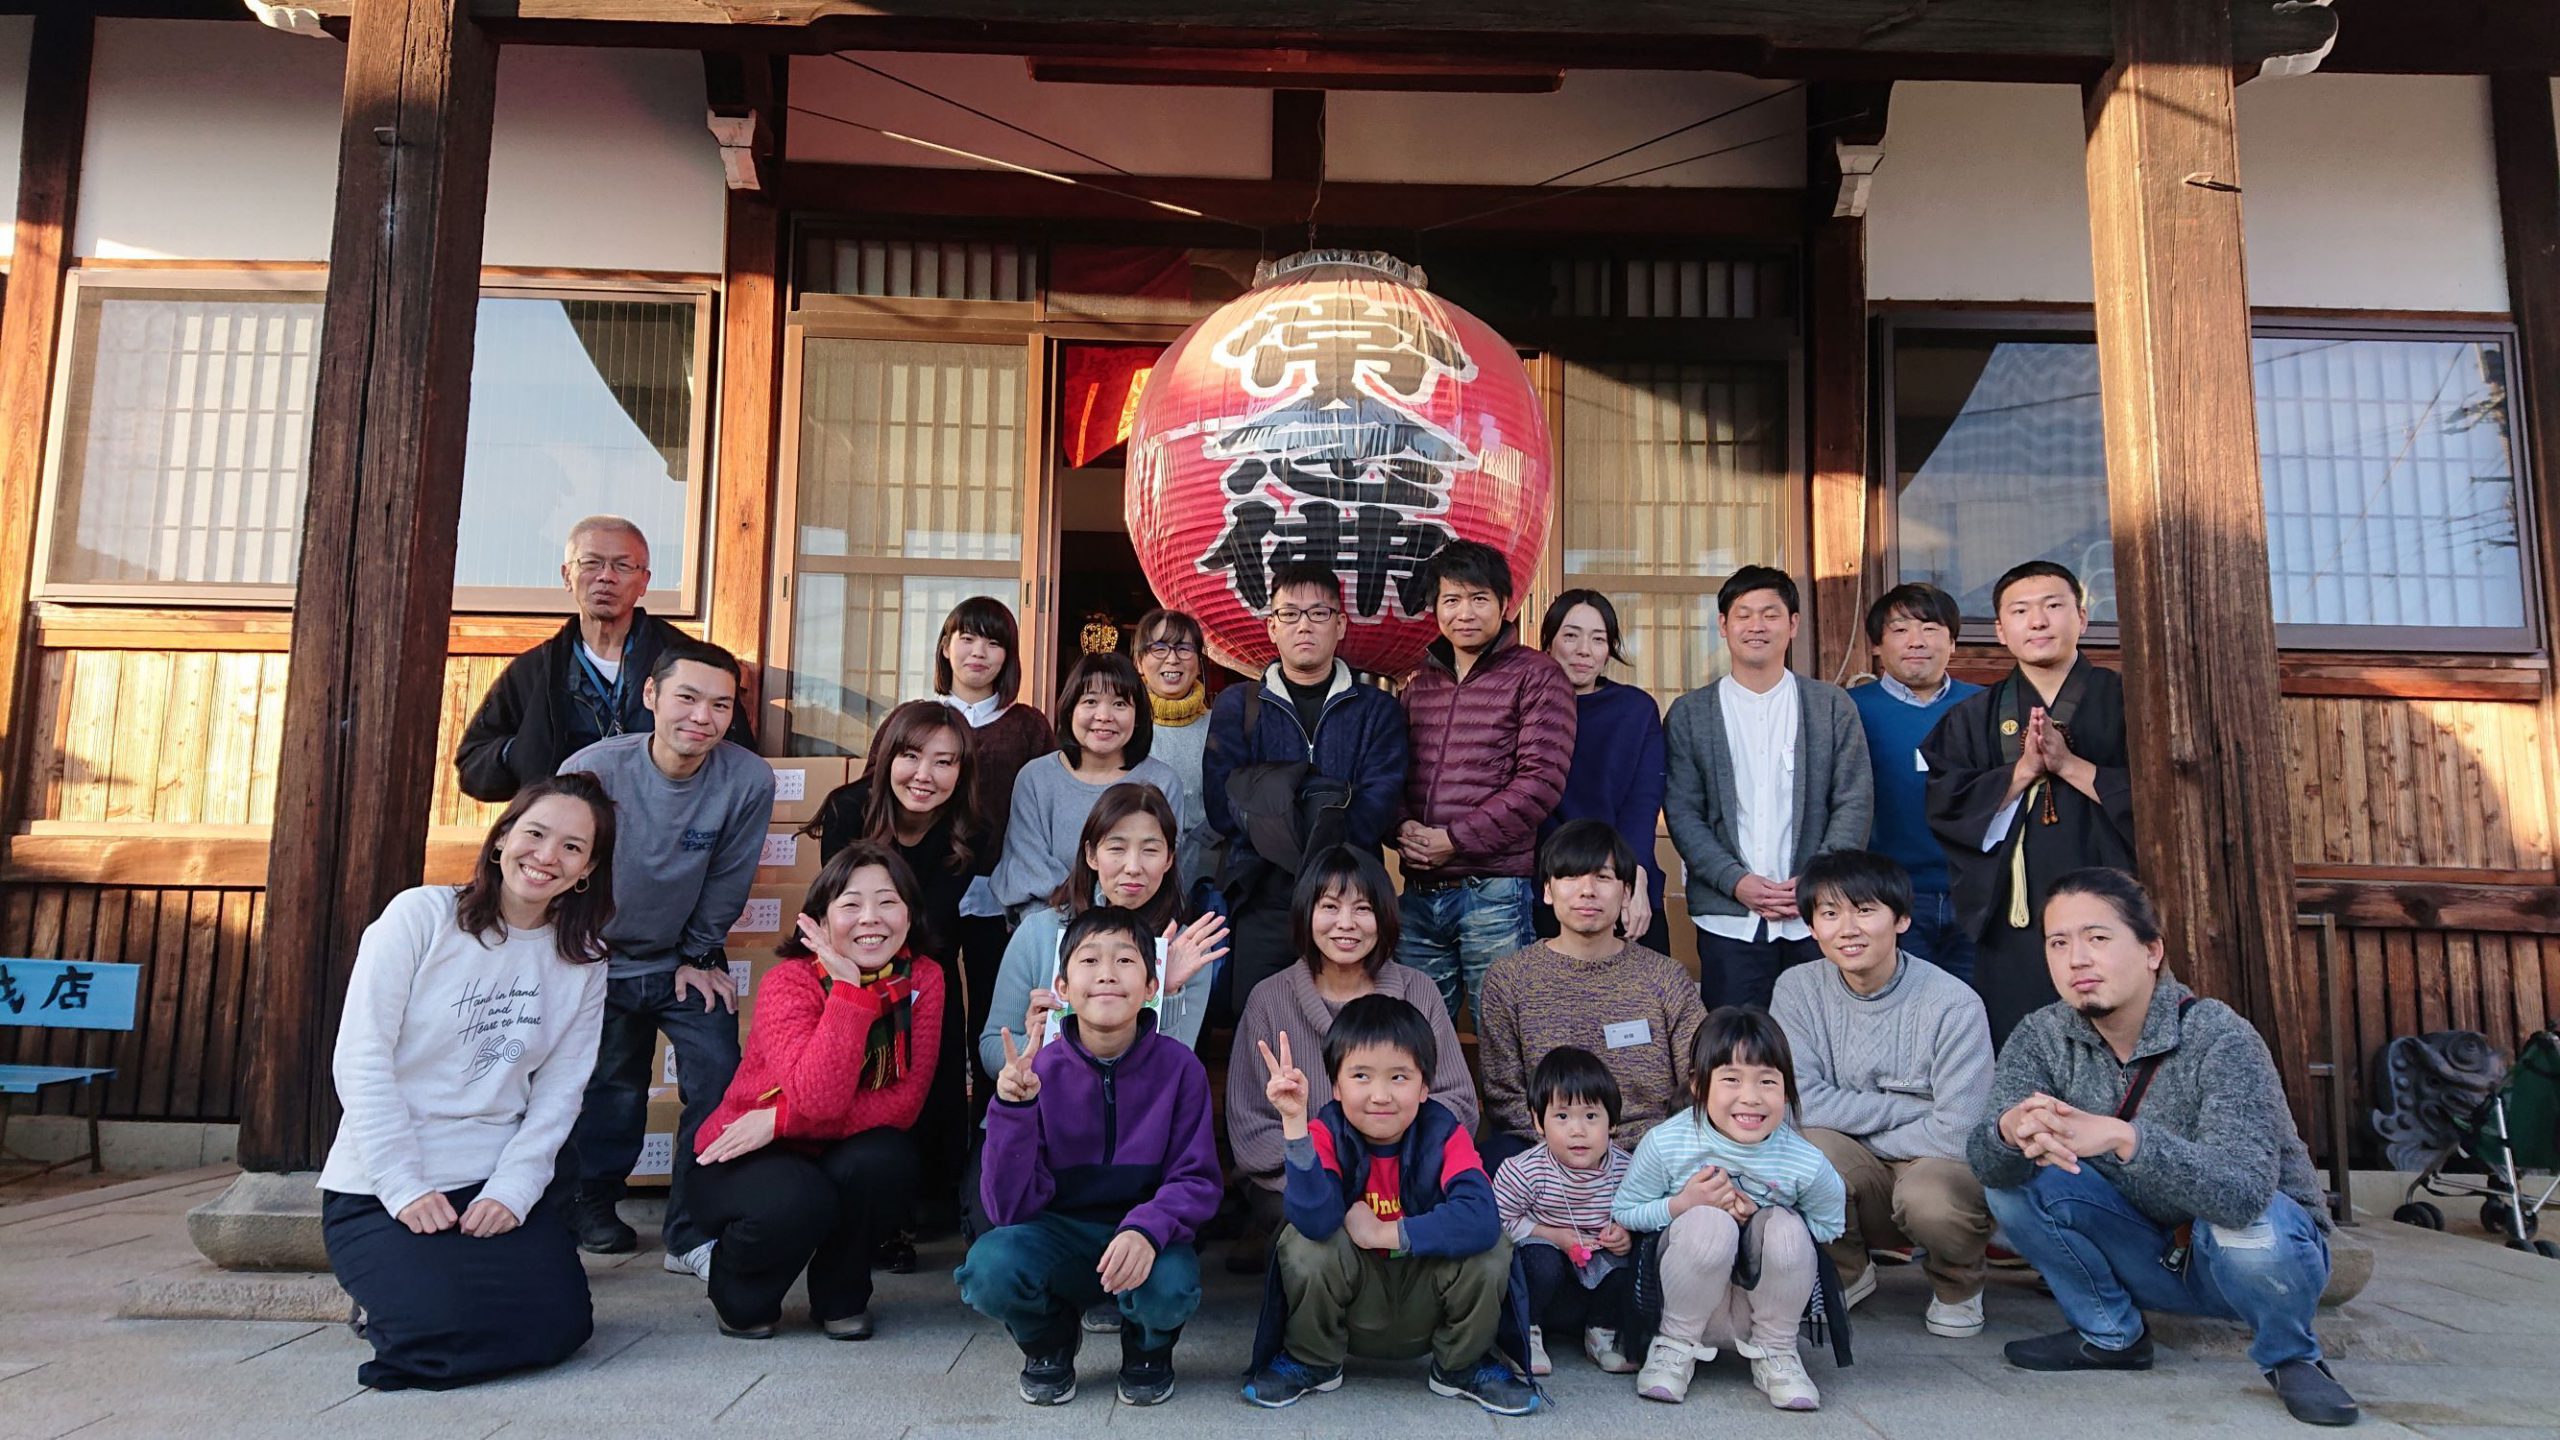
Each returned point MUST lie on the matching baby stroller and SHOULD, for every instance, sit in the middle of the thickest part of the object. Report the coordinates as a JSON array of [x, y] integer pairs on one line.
[[2451, 1101]]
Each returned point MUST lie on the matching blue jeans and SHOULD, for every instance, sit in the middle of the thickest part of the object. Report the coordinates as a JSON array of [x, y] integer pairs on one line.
[[1935, 936], [1454, 932], [2102, 1258], [608, 1132], [1035, 1278]]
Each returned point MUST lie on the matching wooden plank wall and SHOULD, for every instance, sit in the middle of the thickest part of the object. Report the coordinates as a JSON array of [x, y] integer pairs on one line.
[[177, 742]]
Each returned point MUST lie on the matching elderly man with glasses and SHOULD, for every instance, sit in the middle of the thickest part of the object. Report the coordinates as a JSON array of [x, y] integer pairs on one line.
[[583, 684]]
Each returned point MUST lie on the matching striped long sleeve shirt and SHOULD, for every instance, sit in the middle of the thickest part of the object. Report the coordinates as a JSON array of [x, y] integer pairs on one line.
[[1535, 1188], [1784, 1169]]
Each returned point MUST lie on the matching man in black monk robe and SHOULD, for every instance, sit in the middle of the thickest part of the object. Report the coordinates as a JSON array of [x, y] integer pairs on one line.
[[2027, 782]]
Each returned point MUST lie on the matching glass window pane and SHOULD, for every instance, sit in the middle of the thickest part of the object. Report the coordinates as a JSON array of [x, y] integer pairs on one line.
[[860, 644], [1671, 641], [2002, 459], [1674, 469], [911, 450], [578, 407]]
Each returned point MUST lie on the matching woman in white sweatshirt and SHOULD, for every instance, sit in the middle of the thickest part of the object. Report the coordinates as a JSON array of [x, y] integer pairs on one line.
[[468, 1038]]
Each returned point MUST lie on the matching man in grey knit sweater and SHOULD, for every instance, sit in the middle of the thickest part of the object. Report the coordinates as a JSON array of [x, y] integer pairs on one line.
[[1893, 1067], [2139, 1153]]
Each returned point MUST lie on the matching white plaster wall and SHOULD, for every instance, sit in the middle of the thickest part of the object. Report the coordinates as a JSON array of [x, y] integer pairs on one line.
[[218, 140], [15, 33], [1523, 139], [1144, 129], [2373, 192]]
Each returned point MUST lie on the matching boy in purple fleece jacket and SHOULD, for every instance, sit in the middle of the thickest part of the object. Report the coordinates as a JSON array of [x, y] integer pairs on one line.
[[1100, 1167]]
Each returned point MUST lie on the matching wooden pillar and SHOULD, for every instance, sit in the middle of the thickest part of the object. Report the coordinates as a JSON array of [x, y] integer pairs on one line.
[[1847, 128], [2212, 813], [755, 299], [375, 591], [2528, 159], [57, 121]]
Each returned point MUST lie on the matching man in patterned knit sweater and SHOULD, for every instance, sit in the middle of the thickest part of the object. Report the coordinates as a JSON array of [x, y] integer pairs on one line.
[[1635, 1009], [1893, 1064]]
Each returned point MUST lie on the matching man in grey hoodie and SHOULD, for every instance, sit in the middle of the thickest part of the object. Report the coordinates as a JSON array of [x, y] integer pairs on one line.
[[2139, 1153], [690, 811]]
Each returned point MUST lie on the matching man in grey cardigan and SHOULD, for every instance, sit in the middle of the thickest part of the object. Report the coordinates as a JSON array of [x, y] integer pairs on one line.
[[2139, 1153], [1767, 771], [1893, 1069]]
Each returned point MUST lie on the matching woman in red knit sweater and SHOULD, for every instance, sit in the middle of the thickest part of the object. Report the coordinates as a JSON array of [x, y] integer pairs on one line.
[[807, 1163]]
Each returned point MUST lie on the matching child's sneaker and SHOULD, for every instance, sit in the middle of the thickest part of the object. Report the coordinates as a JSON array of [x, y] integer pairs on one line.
[[1955, 1319], [1668, 1364], [1780, 1376], [1859, 1288], [1146, 1376], [1102, 1319], [1893, 1254], [1490, 1382], [1049, 1377], [1601, 1344], [1288, 1380], [1539, 1364]]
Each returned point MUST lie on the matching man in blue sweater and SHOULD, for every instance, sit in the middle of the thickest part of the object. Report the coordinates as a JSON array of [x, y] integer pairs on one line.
[[1307, 709], [1913, 630]]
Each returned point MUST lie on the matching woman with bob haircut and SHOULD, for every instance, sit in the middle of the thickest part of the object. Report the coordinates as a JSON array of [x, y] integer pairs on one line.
[[1620, 769], [807, 1165], [1106, 728], [469, 1034], [1343, 923]]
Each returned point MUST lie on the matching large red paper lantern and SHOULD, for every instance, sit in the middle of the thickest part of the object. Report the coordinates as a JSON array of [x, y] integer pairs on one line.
[[1338, 413]]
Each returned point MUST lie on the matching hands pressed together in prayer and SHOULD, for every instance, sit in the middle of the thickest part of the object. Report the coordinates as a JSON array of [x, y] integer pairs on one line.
[[2047, 751]]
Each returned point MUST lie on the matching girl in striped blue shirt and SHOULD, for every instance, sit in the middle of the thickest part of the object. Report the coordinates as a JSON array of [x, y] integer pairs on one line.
[[1700, 1177]]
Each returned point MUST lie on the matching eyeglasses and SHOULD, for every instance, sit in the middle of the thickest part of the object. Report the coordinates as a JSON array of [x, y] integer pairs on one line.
[[1176, 649], [1313, 614], [590, 566]]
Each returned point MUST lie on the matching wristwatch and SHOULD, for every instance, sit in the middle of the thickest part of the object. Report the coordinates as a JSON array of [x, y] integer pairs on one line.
[[711, 959]]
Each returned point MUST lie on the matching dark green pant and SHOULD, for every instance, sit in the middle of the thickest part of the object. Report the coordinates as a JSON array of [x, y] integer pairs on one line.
[[1345, 1300]]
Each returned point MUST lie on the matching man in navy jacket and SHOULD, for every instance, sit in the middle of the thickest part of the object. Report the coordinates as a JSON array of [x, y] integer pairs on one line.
[[1312, 712]]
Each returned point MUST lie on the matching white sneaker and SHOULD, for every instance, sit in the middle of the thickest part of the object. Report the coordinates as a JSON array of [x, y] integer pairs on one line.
[[1668, 1364], [1956, 1319], [695, 1262], [1539, 1364], [1601, 1345], [1857, 1290], [1780, 1376]]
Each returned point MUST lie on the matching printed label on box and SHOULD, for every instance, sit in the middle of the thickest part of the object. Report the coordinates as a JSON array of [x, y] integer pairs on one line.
[[762, 914], [669, 1077], [657, 1155], [790, 786], [781, 850], [743, 972]]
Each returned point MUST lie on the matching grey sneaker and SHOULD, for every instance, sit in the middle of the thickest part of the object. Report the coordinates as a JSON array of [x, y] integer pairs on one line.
[[695, 1262]]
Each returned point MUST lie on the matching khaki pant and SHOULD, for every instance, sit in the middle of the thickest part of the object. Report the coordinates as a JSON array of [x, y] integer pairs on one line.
[[1700, 1302], [1344, 1300], [1932, 1203]]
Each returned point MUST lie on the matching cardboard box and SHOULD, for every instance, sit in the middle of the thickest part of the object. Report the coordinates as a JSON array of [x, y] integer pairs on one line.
[[656, 1164], [801, 784], [788, 858], [771, 912]]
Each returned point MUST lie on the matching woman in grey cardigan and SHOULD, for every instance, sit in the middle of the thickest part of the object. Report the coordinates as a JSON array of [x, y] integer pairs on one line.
[[1105, 731]]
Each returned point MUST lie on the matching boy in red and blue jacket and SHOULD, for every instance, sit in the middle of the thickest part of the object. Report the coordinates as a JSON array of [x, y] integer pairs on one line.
[[1393, 1247], [1100, 1168]]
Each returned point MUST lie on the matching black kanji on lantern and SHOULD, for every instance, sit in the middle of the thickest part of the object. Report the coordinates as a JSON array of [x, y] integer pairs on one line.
[[1344, 470]]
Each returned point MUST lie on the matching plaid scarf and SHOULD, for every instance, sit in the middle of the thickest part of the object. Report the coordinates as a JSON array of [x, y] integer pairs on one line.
[[887, 1050]]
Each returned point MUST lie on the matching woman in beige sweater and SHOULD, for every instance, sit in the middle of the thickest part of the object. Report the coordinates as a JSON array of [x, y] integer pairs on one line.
[[1343, 925]]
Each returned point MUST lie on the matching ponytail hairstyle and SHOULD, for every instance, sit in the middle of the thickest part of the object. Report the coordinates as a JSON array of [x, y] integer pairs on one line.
[[577, 916]]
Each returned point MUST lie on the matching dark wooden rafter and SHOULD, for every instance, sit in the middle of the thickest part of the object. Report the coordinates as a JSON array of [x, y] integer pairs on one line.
[[1844, 39], [1297, 136], [2212, 808], [375, 591], [57, 119]]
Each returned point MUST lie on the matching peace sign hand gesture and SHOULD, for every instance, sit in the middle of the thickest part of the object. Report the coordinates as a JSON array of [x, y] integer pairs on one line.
[[1286, 1088], [1017, 1083]]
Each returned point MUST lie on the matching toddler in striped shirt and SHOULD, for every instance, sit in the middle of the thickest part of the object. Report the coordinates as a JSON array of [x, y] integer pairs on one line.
[[1730, 1169], [1554, 1199]]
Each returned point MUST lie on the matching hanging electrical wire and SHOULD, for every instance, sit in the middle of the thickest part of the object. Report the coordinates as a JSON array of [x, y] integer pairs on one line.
[[931, 94], [1032, 170], [1726, 113], [1549, 197]]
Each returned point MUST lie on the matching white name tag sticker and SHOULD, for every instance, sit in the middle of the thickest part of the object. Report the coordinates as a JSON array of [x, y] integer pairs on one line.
[[790, 785], [1919, 762], [1626, 1033]]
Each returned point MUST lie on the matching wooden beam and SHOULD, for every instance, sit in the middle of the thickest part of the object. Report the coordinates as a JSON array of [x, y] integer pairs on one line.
[[754, 303], [1298, 70], [375, 592], [186, 857], [2444, 37], [2394, 905], [57, 122], [1847, 554], [1871, 39], [2212, 806], [1297, 136]]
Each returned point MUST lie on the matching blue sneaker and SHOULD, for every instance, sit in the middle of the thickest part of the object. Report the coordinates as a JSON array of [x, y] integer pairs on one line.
[[1491, 1383], [1288, 1380]]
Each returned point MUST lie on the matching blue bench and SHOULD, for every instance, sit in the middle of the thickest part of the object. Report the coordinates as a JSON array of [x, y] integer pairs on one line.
[[62, 995]]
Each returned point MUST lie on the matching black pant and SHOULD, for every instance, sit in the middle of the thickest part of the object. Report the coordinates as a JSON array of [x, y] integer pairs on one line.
[[982, 943], [447, 1310], [1560, 1304], [1257, 941], [778, 1212], [943, 1126], [1745, 972]]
